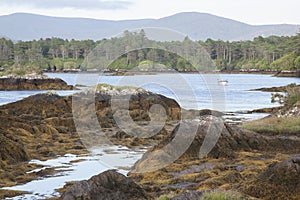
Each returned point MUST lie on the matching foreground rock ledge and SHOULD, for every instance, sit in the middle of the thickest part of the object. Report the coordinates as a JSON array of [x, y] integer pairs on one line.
[[107, 185], [240, 160]]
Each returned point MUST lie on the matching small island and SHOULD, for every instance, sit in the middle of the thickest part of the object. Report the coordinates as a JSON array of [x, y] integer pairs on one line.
[[32, 81]]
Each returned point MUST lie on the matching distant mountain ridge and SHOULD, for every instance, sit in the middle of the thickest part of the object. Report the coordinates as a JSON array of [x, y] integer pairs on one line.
[[198, 26]]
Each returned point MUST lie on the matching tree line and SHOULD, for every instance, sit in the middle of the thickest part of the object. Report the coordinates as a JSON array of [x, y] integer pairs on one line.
[[43, 54], [135, 49], [270, 53]]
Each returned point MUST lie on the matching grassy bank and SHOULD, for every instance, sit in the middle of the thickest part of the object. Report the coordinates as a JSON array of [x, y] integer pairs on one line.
[[275, 126], [286, 121]]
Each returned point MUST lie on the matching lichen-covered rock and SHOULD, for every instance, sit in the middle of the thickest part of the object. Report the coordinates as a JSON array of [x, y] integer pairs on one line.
[[109, 185]]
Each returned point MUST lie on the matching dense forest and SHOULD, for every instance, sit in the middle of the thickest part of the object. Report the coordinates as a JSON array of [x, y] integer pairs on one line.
[[133, 49]]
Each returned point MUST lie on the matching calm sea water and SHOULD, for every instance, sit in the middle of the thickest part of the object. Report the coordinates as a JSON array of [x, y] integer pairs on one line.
[[197, 91], [12, 96], [192, 91]]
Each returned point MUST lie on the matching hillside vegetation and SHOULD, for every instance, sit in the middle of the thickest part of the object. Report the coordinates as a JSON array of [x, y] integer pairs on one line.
[[266, 54]]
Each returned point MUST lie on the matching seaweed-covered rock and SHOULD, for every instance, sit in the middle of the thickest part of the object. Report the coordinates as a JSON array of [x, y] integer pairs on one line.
[[12, 151], [279, 181], [108, 185], [42, 126], [210, 136]]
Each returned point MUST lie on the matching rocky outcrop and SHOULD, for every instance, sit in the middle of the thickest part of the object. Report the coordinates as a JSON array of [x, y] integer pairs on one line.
[[107, 185], [210, 137], [279, 181], [272, 89], [49, 116], [292, 111], [42, 126], [33, 84], [231, 138], [219, 156], [295, 73]]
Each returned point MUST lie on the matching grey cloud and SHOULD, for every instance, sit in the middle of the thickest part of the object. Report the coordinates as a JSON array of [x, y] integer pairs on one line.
[[76, 4]]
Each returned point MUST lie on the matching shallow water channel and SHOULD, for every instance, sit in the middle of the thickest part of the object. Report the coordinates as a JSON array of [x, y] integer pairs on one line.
[[74, 168]]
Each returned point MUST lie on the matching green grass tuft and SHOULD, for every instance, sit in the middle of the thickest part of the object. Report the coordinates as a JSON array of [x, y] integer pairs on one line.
[[221, 196], [164, 197]]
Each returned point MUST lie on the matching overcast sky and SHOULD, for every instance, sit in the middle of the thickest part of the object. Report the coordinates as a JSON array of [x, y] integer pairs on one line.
[[248, 11]]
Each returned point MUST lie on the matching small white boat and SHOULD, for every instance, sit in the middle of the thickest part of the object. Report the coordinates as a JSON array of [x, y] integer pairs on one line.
[[222, 82]]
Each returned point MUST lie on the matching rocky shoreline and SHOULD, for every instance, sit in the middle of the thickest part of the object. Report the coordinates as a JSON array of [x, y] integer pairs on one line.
[[278, 89], [252, 165], [28, 131], [242, 161], [288, 73]]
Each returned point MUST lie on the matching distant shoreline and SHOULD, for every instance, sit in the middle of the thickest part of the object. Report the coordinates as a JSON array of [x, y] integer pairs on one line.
[[131, 73]]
